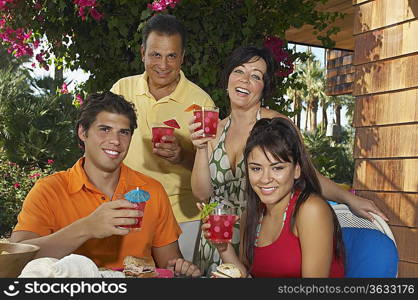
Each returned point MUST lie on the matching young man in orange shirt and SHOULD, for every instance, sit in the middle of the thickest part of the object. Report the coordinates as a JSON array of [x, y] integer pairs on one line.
[[72, 211]]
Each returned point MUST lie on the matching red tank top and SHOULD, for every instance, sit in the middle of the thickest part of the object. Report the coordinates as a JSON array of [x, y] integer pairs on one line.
[[283, 258]]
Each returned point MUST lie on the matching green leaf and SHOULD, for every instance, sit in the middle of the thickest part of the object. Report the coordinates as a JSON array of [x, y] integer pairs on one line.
[[207, 209], [145, 14]]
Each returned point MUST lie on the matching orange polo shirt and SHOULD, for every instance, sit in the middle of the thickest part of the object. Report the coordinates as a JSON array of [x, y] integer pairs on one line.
[[58, 200]]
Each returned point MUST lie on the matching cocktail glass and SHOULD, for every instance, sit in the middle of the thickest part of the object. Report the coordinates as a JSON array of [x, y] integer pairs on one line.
[[158, 131], [208, 116], [139, 206], [222, 220]]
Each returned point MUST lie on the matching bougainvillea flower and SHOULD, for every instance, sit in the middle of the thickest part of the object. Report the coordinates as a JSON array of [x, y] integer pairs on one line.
[[64, 88]]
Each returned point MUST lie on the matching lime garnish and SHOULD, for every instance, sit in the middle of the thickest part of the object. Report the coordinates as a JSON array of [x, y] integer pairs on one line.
[[207, 209]]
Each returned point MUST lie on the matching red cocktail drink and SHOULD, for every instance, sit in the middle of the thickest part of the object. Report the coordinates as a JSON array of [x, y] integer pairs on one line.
[[159, 131], [140, 206], [221, 228], [209, 118]]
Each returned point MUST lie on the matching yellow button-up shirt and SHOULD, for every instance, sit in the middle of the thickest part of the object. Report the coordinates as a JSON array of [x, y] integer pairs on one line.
[[174, 178]]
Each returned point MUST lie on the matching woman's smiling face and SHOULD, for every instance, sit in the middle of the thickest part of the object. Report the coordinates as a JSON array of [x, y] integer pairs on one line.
[[271, 179], [246, 83]]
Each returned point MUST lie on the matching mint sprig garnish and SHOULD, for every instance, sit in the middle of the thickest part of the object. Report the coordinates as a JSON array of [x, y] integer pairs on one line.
[[207, 209]]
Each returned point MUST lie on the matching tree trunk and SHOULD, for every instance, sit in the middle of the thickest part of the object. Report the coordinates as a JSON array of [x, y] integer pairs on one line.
[[297, 107], [313, 112], [324, 118], [338, 114]]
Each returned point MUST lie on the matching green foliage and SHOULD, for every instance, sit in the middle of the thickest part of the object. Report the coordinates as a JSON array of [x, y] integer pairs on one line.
[[35, 128], [109, 49], [15, 183], [333, 160]]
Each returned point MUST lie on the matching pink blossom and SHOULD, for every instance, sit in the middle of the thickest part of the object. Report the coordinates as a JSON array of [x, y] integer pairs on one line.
[[40, 57], [281, 56], [34, 175], [36, 44], [83, 5], [79, 98], [17, 185], [95, 14], [85, 2], [50, 161], [160, 5], [38, 5], [82, 13], [3, 3], [64, 88]]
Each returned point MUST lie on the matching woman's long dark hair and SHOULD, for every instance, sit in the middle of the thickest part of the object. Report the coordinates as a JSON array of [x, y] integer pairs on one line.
[[279, 137]]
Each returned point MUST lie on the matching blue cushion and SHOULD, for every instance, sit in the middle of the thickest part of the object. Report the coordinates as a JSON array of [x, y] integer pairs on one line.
[[369, 254]]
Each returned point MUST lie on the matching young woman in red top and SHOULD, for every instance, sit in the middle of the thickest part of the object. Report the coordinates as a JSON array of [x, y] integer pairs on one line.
[[287, 230]]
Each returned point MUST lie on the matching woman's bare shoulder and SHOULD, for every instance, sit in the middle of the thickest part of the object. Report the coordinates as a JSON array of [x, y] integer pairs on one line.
[[315, 206], [270, 113]]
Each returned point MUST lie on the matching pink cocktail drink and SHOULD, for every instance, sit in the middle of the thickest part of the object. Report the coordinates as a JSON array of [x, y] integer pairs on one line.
[[209, 118], [221, 228], [159, 132]]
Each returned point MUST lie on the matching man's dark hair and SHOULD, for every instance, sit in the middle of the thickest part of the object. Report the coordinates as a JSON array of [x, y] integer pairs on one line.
[[164, 24], [108, 102]]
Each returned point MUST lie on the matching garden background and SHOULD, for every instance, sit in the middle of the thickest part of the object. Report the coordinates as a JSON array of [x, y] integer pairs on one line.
[[104, 37]]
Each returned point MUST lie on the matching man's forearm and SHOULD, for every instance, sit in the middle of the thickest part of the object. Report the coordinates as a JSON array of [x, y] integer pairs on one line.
[[60, 243]]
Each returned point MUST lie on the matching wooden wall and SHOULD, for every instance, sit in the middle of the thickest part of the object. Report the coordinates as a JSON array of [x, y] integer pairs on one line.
[[340, 72], [386, 117]]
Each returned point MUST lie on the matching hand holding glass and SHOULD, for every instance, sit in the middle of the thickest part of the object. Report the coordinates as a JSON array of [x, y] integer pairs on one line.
[[208, 116], [158, 131], [140, 206], [222, 220]]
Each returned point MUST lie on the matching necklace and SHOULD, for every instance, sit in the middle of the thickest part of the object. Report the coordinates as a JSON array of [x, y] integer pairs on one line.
[[257, 235]]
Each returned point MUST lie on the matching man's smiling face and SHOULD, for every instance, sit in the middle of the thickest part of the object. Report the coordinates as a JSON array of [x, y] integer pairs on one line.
[[106, 141]]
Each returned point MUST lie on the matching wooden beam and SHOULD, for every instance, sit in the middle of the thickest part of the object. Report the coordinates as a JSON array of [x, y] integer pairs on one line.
[[407, 242], [387, 142], [385, 76], [382, 13], [391, 175], [399, 207], [388, 108], [344, 39], [387, 43]]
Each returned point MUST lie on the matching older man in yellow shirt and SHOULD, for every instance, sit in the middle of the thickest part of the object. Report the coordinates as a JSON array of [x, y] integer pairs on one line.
[[161, 93]]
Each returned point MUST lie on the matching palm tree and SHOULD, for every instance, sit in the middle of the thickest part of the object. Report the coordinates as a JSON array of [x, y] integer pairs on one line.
[[313, 75], [338, 102]]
